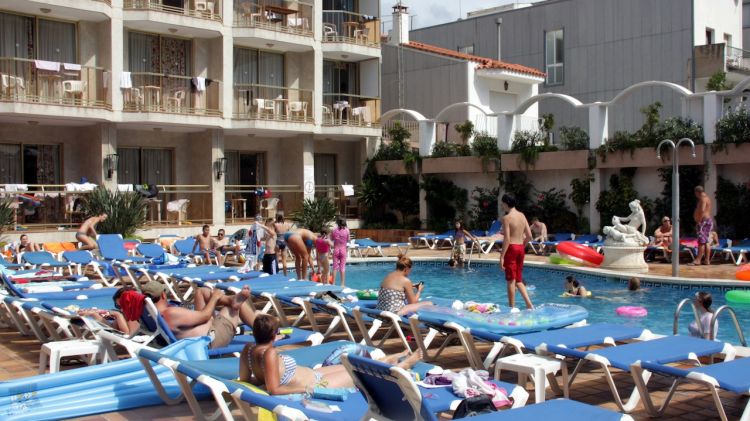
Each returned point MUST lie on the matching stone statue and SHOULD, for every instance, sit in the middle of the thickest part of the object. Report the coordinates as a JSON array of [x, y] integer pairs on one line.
[[632, 234]]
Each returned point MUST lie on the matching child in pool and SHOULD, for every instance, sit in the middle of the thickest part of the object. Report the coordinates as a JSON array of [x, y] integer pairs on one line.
[[573, 287], [703, 301]]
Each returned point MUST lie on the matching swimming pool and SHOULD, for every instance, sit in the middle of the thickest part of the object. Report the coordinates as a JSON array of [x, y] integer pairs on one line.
[[483, 282]]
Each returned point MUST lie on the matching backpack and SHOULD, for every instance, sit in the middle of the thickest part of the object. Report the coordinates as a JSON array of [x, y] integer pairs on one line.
[[473, 406]]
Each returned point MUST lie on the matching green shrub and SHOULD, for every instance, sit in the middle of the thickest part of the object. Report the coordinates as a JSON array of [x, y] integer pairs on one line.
[[615, 200], [483, 210], [528, 144], [485, 146], [552, 209], [517, 185], [447, 149], [6, 213], [734, 127], [465, 131], [126, 211], [445, 202], [315, 214], [733, 205], [573, 138]]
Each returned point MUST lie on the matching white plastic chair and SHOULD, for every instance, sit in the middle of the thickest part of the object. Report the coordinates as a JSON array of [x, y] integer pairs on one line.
[[360, 35], [327, 112], [74, 88], [12, 85], [297, 107], [134, 97], [205, 7], [268, 207], [329, 30], [176, 99]]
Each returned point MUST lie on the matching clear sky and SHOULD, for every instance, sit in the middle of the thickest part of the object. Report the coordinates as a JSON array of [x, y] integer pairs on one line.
[[433, 12]]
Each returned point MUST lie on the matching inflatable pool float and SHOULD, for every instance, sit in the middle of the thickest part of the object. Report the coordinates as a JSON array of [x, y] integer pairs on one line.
[[557, 259], [568, 295], [631, 311], [543, 317], [743, 273], [738, 296], [579, 253], [367, 294]]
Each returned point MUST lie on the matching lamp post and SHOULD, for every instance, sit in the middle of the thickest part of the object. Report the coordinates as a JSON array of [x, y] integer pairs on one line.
[[675, 196]]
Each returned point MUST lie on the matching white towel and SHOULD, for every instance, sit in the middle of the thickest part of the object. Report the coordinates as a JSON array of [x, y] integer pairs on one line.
[[72, 66], [52, 66], [176, 205], [124, 187], [200, 83], [126, 82], [79, 187], [348, 189], [16, 187]]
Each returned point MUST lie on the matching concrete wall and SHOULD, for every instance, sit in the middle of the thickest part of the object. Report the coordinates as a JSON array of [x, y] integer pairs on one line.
[[723, 16], [608, 46]]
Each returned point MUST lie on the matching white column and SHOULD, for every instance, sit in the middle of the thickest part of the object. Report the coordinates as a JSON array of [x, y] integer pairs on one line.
[[108, 146], [227, 56], [598, 125], [712, 107], [506, 125], [308, 167], [426, 137], [216, 139], [117, 37], [595, 189], [317, 100]]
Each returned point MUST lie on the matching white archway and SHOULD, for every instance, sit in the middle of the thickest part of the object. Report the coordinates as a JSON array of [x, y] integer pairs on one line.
[[486, 111], [681, 90], [536, 98], [396, 111]]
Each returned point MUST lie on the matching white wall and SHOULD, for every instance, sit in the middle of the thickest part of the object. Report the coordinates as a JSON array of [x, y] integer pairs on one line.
[[723, 16]]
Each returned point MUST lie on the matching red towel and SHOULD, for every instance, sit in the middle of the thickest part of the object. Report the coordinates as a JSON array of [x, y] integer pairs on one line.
[[131, 304]]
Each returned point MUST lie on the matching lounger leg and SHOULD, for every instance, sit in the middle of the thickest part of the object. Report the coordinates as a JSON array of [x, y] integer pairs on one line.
[[158, 384]]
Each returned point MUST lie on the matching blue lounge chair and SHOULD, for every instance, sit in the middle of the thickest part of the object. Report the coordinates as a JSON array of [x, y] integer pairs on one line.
[[732, 376], [670, 349], [44, 260], [112, 248], [81, 260], [586, 239], [369, 245], [184, 249], [392, 394], [551, 244], [737, 253], [152, 251]]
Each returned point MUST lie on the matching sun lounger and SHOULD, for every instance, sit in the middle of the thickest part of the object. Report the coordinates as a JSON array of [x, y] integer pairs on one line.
[[664, 350], [391, 392], [152, 251], [433, 241], [732, 376], [44, 260], [82, 260], [184, 249], [112, 248], [737, 253], [369, 246], [63, 290], [57, 249]]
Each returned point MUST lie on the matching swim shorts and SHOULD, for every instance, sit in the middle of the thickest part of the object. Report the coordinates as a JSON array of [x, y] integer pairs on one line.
[[705, 226], [269, 264], [222, 332], [459, 252], [513, 263]]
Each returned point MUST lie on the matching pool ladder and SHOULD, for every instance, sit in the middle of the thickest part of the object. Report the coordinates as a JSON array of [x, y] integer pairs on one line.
[[715, 317]]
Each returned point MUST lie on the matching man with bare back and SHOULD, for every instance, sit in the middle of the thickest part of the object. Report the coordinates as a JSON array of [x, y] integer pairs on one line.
[[517, 235], [705, 224], [205, 244], [205, 320], [86, 233]]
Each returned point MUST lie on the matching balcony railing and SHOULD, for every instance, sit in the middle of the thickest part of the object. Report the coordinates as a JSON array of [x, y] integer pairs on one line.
[[155, 92], [23, 80], [353, 28], [45, 207], [410, 125], [203, 9], [713, 58], [263, 102], [290, 17], [350, 110], [737, 59], [243, 203]]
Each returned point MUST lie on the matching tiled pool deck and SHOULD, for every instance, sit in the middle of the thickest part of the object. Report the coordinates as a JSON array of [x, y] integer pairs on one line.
[[21, 357]]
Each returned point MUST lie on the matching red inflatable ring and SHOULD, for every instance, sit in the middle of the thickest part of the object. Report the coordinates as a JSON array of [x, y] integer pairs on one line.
[[743, 273], [580, 253]]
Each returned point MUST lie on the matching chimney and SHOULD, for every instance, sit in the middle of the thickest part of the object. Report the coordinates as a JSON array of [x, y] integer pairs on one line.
[[400, 34]]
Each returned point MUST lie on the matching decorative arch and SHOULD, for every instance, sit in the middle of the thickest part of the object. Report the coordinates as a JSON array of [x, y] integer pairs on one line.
[[685, 92], [486, 111], [536, 98], [396, 111]]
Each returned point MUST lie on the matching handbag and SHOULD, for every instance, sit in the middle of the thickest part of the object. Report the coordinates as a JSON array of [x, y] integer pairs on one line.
[[473, 406]]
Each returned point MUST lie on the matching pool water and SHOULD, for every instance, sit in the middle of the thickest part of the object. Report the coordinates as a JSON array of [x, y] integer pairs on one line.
[[485, 283]]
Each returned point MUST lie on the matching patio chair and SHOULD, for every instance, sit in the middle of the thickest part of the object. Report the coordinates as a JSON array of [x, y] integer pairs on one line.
[[267, 106], [296, 107], [329, 32], [670, 349], [433, 241], [180, 208], [82, 260], [74, 88], [174, 100], [268, 207], [184, 250], [12, 86], [738, 253], [327, 114], [112, 248], [205, 7], [152, 251], [361, 35], [44, 260], [392, 394], [732, 376]]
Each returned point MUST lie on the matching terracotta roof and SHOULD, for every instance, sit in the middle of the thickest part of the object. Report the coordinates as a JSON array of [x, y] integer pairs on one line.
[[484, 63]]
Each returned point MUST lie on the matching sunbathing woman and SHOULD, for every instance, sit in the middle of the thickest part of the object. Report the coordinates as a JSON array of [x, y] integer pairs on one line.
[[397, 292], [300, 243], [261, 363]]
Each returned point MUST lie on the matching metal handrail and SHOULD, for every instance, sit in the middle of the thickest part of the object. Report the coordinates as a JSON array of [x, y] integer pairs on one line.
[[734, 319], [677, 316]]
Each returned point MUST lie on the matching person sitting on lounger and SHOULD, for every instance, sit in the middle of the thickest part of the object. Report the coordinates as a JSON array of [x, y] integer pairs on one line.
[[86, 233], [222, 247], [397, 292], [261, 363], [204, 244], [538, 230], [25, 245], [300, 243]]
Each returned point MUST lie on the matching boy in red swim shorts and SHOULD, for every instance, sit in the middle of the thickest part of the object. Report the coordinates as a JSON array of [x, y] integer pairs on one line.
[[517, 235]]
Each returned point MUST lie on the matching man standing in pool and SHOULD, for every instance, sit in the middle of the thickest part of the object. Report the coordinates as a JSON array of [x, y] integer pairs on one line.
[[705, 225], [517, 235]]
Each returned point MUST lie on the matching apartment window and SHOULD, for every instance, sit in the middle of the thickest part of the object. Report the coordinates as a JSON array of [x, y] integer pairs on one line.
[[30, 164], [35, 38], [325, 169], [258, 67], [553, 57], [345, 5], [151, 53], [709, 36], [340, 77], [245, 168], [145, 166], [466, 49]]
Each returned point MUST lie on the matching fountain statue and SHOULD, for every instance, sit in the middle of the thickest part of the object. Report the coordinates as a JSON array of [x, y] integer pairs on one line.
[[625, 243]]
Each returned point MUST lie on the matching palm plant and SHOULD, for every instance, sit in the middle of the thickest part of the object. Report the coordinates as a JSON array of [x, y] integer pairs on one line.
[[126, 211], [316, 214], [6, 213]]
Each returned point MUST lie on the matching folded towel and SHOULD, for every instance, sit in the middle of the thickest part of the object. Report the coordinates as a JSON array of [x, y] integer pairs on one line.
[[16, 187], [200, 83], [348, 189], [52, 66], [176, 205], [126, 82], [72, 66], [125, 187]]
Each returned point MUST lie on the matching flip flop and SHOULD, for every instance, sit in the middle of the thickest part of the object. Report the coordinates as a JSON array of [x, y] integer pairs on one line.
[[692, 264]]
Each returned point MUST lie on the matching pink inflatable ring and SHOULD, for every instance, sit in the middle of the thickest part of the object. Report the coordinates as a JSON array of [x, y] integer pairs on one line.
[[631, 311]]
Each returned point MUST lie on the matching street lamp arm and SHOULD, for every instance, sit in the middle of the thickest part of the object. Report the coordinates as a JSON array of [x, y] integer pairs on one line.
[[667, 142], [689, 141]]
